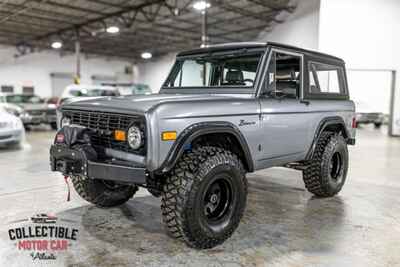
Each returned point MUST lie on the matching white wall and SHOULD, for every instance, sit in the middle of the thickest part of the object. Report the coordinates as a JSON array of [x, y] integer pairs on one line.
[[34, 69], [365, 33], [299, 29]]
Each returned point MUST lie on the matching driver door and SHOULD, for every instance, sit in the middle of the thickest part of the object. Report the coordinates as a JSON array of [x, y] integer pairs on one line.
[[284, 119]]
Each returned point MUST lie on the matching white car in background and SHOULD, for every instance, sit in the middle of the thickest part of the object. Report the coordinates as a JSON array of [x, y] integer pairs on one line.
[[82, 91], [366, 115], [11, 129], [15, 110]]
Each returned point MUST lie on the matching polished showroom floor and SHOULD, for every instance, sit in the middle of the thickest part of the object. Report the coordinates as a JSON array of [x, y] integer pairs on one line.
[[283, 224]]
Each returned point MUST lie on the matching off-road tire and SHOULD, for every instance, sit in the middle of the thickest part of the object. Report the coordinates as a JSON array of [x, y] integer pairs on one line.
[[185, 188], [317, 176], [102, 195]]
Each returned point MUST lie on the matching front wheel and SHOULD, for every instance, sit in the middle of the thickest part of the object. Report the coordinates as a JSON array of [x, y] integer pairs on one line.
[[103, 193], [204, 197], [327, 171]]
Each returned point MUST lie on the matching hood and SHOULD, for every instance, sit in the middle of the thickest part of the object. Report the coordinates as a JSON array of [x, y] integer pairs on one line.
[[143, 103], [7, 117]]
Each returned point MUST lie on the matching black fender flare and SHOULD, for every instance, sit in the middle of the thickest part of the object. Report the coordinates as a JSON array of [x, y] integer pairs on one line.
[[199, 129], [324, 124]]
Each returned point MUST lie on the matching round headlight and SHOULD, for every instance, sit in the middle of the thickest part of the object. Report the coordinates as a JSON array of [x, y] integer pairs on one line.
[[134, 137], [65, 121]]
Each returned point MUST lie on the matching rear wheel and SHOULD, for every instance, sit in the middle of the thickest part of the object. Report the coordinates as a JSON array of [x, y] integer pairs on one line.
[[204, 197], [327, 171], [103, 193]]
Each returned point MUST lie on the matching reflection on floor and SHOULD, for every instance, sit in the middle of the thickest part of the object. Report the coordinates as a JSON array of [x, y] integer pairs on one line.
[[283, 224]]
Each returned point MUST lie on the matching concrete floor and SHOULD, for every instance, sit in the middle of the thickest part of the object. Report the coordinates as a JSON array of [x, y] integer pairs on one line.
[[283, 224]]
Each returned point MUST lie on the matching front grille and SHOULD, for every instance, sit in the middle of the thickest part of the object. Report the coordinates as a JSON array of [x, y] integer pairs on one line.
[[103, 125], [4, 137]]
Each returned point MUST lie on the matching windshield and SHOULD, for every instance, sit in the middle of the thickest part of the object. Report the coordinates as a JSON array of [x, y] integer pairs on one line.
[[2, 99], [27, 99], [229, 70]]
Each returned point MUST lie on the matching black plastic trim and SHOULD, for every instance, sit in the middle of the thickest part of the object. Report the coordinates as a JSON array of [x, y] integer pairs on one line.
[[75, 162], [199, 129], [322, 126]]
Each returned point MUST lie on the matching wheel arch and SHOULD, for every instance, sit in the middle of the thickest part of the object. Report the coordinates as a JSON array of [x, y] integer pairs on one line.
[[206, 129], [334, 124]]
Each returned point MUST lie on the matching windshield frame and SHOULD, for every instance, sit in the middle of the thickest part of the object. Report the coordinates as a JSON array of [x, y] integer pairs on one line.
[[218, 89]]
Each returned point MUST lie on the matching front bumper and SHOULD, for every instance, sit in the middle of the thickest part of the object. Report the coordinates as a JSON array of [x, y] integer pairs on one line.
[[76, 162]]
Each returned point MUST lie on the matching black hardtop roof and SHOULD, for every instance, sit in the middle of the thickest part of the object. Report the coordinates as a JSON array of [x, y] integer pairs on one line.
[[250, 45]]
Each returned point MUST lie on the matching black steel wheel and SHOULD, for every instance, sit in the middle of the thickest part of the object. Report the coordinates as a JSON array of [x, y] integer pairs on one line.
[[204, 197]]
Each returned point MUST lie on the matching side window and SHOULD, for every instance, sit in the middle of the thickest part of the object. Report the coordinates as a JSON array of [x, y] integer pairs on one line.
[[325, 79], [283, 77]]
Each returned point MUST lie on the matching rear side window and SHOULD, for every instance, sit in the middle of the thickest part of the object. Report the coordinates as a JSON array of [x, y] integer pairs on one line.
[[326, 79]]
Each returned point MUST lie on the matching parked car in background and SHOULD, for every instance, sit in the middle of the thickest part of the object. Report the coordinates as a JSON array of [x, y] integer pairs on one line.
[[81, 91], [15, 110], [131, 88], [366, 115], [39, 111], [11, 129], [53, 100]]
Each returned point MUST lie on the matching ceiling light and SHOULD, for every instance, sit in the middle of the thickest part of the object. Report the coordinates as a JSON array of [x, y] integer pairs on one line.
[[146, 55], [201, 5], [56, 44], [112, 29]]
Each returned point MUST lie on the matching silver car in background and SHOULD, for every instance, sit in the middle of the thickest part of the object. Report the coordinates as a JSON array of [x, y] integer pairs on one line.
[[11, 129], [15, 110], [39, 111], [367, 115]]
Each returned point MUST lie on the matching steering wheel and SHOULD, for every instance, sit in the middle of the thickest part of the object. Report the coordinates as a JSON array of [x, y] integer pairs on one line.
[[249, 80]]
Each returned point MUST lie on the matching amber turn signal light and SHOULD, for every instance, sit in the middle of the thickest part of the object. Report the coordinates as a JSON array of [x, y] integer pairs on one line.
[[120, 135], [168, 136]]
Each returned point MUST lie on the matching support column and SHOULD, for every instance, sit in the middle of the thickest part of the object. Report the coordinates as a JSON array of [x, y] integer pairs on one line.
[[204, 36], [77, 78]]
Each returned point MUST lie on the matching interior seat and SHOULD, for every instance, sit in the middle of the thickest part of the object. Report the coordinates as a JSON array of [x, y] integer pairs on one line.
[[234, 77]]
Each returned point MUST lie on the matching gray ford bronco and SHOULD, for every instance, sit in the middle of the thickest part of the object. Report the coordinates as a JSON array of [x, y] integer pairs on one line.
[[222, 112]]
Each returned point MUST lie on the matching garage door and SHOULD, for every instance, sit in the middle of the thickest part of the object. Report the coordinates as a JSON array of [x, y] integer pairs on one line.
[[59, 81]]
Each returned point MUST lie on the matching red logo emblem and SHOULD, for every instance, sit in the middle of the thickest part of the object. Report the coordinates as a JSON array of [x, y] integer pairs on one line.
[[60, 138]]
